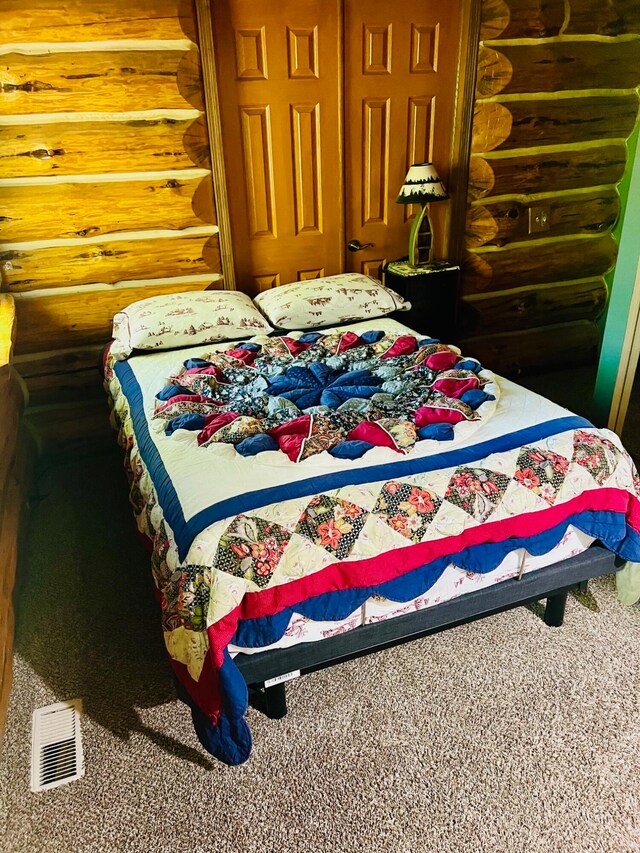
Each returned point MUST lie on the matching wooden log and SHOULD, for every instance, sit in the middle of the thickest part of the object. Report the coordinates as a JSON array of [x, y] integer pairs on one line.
[[547, 171], [508, 221], [71, 428], [62, 375], [202, 202], [109, 262], [189, 79], [521, 18], [63, 388], [94, 20], [111, 80], [557, 66], [482, 227], [613, 18], [66, 319], [105, 147], [528, 307], [89, 209], [494, 19], [518, 353], [560, 120], [58, 362], [537, 263], [196, 143], [494, 73]]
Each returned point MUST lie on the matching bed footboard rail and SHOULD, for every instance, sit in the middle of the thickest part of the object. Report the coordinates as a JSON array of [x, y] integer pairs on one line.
[[553, 583]]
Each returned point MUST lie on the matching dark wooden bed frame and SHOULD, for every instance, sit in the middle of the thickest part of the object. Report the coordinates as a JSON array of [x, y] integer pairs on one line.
[[552, 583]]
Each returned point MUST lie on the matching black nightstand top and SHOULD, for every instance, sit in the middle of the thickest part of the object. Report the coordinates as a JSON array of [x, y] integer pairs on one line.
[[403, 268], [432, 290]]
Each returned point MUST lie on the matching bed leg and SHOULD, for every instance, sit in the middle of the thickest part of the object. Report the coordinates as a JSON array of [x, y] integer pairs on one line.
[[554, 611], [275, 701], [271, 701]]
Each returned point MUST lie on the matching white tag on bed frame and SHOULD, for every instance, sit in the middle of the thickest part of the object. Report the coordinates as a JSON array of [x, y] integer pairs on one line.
[[523, 557], [280, 679]]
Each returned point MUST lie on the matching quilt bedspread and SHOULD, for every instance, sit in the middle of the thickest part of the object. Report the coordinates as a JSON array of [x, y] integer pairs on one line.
[[240, 541]]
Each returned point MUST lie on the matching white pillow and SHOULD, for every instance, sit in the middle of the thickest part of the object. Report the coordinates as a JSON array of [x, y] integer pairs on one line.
[[327, 301], [181, 319]]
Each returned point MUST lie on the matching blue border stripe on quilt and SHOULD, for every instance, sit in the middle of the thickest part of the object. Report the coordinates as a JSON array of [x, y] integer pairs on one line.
[[185, 531]]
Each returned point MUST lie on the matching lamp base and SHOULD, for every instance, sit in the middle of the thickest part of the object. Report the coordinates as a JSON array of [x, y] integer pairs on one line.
[[421, 238]]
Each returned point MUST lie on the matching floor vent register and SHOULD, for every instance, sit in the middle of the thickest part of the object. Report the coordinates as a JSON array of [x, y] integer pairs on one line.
[[56, 745]]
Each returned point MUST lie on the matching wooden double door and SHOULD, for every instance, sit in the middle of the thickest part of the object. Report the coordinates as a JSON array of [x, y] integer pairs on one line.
[[324, 104]]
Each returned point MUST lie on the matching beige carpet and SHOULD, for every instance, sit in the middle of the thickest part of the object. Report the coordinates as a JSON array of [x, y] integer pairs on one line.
[[501, 736]]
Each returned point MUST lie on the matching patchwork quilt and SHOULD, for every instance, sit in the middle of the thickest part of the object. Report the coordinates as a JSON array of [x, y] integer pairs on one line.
[[280, 474]]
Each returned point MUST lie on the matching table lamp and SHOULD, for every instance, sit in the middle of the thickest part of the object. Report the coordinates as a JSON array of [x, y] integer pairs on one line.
[[421, 186]]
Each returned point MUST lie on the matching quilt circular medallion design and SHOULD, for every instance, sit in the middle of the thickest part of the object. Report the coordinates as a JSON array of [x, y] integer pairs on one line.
[[340, 392]]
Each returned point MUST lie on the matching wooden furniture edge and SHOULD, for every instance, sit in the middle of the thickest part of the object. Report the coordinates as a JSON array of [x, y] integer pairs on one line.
[[7, 331], [14, 477]]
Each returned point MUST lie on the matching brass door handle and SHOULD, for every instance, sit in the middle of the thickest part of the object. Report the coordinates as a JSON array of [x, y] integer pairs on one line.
[[356, 245]]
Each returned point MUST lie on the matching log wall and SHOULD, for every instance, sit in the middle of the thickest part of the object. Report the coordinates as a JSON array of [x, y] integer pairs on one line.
[[556, 100], [105, 178]]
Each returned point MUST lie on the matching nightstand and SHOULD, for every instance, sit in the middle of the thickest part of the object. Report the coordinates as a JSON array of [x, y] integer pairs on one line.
[[432, 290]]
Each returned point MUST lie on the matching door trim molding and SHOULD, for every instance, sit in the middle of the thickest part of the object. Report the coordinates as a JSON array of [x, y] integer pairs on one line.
[[620, 342], [629, 355], [460, 152], [204, 24]]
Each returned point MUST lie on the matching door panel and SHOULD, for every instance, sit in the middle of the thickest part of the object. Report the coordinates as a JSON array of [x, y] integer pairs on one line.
[[324, 105], [280, 72], [400, 63]]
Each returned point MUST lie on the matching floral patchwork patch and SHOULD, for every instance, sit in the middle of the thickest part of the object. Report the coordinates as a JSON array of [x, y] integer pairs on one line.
[[407, 509], [135, 473], [195, 405], [251, 548], [326, 431], [598, 455], [185, 598], [236, 431], [333, 524], [194, 586], [401, 431], [203, 386], [159, 568], [276, 347], [477, 491], [541, 471]]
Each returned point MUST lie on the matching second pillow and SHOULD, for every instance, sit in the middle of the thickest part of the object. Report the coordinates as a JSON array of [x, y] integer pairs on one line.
[[328, 301]]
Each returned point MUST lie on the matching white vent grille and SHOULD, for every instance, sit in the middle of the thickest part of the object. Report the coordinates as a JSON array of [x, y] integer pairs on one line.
[[56, 745]]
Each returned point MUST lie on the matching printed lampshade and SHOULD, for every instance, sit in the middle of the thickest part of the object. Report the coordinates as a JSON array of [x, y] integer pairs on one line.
[[421, 186]]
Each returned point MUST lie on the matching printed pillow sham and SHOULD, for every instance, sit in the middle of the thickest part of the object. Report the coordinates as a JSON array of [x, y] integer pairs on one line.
[[181, 319], [328, 301]]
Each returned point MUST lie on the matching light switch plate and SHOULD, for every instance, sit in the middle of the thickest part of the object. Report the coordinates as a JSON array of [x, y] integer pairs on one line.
[[539, 219]]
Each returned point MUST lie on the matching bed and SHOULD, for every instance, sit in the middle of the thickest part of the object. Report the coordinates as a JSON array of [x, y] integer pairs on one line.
[[340, 528]]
